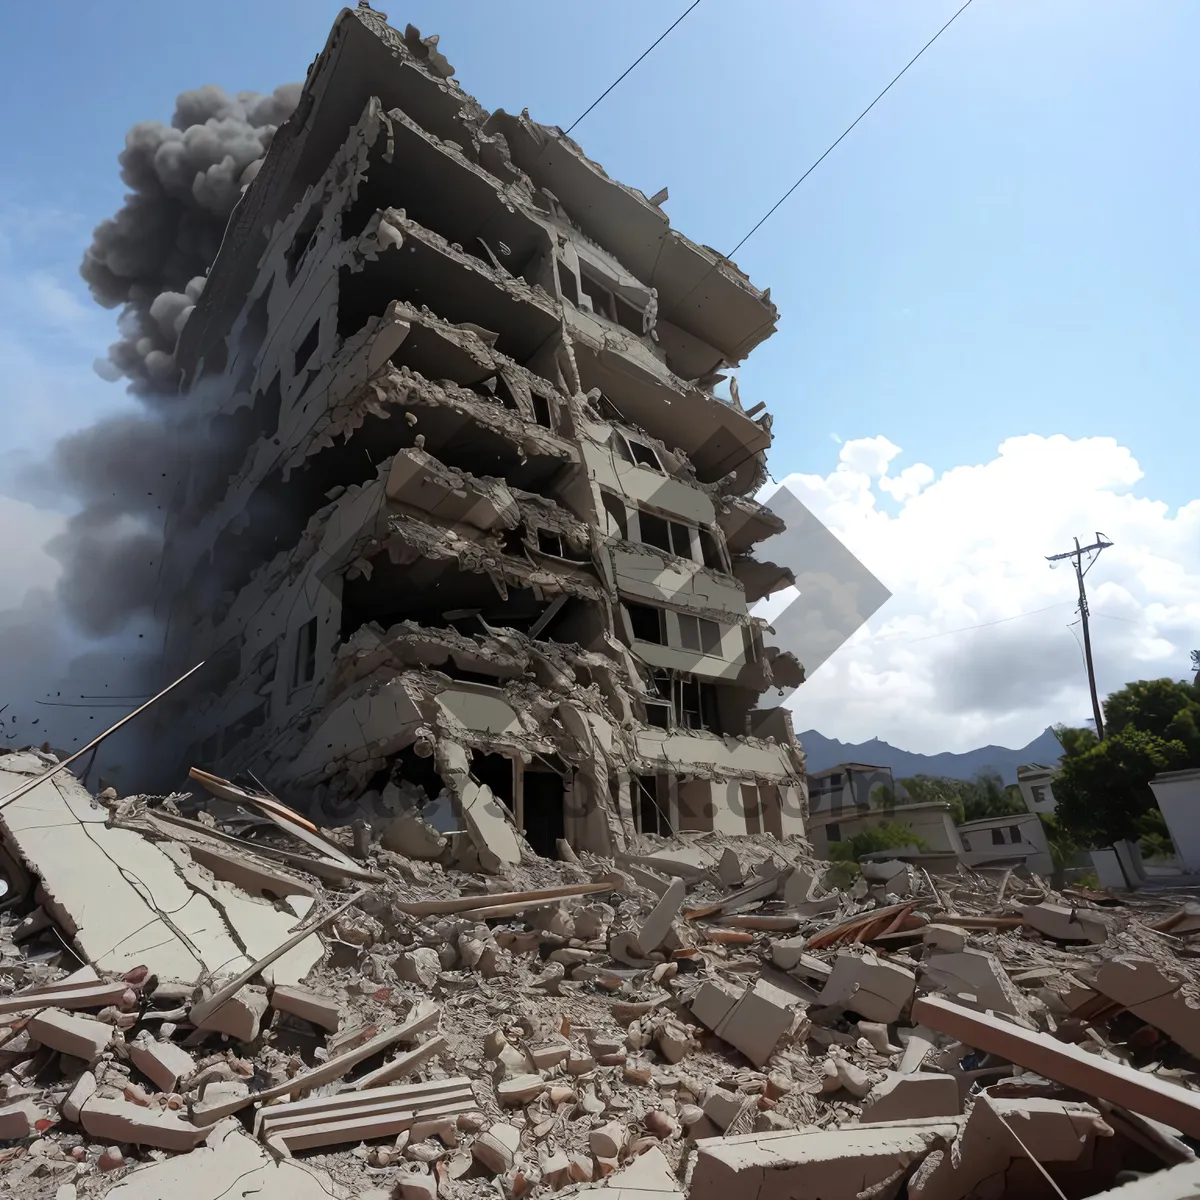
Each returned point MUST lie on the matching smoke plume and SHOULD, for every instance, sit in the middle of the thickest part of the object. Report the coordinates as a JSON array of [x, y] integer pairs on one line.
[[151, 258], [150, 261]]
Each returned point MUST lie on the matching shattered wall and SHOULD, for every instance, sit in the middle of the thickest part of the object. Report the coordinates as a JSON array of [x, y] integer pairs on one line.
[[482, 528]]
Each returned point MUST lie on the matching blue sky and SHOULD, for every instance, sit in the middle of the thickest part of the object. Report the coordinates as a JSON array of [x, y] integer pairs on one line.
[[1006, 246]]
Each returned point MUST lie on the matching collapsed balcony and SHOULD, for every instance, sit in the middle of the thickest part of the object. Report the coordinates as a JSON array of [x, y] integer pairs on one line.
[[435, 184], [718, 314], [718, 439], [398, 259], [746, 522]]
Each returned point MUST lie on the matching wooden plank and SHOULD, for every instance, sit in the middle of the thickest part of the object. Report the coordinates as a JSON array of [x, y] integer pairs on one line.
[[401, 1065], [287, 819], [455, 904], [1064, 1063], [334, 1069], [86, 995], [305, 862]]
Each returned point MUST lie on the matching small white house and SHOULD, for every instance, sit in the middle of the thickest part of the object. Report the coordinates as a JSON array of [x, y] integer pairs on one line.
[[1016, 840], [1178, 796], [1037, 790]]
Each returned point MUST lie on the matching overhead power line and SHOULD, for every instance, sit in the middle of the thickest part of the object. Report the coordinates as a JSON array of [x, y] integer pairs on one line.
[[833, 146], [634, 64]]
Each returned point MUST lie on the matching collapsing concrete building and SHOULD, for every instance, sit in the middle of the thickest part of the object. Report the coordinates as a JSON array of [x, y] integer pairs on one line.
[[466, 518]]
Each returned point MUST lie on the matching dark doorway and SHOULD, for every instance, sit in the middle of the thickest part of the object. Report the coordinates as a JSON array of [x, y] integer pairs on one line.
[[545, 822], [496, 772]]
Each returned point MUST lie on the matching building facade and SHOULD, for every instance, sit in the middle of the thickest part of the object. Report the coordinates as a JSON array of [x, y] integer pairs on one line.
[[1017, 840], [467, 522], [1037, 787]]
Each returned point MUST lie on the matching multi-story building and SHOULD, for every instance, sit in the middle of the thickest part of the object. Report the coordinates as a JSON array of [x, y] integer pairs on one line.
[[466, 518]]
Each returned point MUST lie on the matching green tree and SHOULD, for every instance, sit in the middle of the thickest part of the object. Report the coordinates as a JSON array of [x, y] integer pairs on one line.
[[1075, 741], [1063, 848], [1166, 708], [986, 796], [888, 836], [1103, 792], [883, 797]]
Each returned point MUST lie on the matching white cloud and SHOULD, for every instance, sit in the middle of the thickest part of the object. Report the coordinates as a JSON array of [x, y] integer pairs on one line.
[[968, 548]]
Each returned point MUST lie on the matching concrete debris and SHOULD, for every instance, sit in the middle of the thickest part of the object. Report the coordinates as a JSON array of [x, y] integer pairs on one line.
[[531, 907], [918, 1094], [868, 985]]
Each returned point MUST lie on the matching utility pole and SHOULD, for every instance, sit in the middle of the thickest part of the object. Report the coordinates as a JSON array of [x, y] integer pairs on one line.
[[1080, 571]]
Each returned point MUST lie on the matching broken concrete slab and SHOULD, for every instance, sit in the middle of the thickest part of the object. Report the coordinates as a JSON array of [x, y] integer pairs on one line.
[[19, 1120], [1139, 985], [868, 986], [239, 1017], [812, 1164], [413, 837], [1064, 924], [229, 1162], [906, 1096], [363, 1115], [323, 1011], [647, 1172], [713, 1001], [163, 1063], [489, 825], [85, 865], [77, 1036], [1064, 1063], [943, 939], [760, 1017], [77, 996], [974, 978], [654, 929], [251, 875], [999, 1132], [121, 1122], [83, 1088]]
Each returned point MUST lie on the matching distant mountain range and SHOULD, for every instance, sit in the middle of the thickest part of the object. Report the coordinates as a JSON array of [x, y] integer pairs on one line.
[[826, 752]]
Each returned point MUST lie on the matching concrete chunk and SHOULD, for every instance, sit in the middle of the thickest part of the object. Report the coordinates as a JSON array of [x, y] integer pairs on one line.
[[811, 1164], [754, 1025], [1065, 924], [18, 1120], [866, 985], [1138, 985], [998, 1132], [118, 1121], [85, 1087], [943, 939], [1063, 1063], [322, 1011], [239, 1017], [657, 925], [921, 1094], [713, 1002], [231, 1164], [69, 1034], [974, 978], [163, 1063], [496, 1148]]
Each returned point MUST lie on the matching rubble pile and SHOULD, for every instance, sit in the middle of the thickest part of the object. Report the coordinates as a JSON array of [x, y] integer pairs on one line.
[[242, 1003]]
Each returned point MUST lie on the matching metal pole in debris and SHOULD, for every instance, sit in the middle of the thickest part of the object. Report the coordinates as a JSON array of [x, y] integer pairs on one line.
[[30, 784]]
